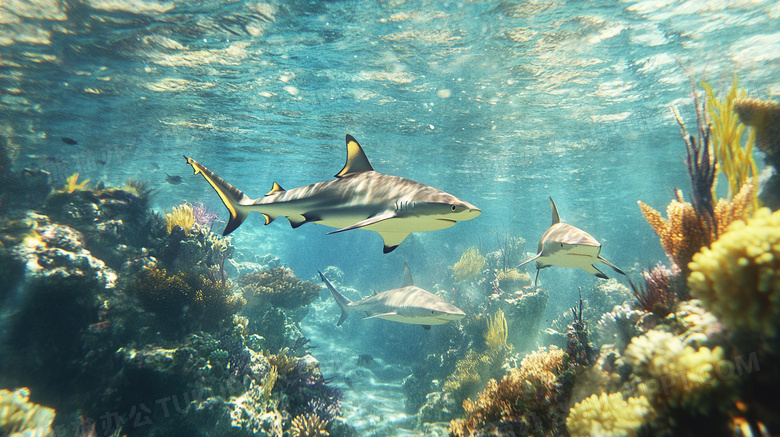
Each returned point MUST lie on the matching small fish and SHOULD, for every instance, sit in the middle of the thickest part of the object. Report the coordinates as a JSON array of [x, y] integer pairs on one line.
[[69, 141], [173, 180], [566, 246], [408, 304]]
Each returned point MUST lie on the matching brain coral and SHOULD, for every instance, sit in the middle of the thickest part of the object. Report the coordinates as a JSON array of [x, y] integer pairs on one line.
[[608, 415], [738, 278]]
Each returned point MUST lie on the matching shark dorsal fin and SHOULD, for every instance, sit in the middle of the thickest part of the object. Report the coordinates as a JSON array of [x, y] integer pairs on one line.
[[555, 217], [275, 189], [357, 162], [408, 281]]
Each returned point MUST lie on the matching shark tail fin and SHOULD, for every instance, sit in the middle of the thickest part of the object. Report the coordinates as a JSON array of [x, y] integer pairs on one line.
[[340, 299], [234, 199]]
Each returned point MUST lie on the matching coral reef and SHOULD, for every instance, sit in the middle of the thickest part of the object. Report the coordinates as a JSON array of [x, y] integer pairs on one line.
[[512, 280], [524, 314], [278, 287], [656, 294], [185, 302], [520, 404], [72, 185], [470, 265], [738, 278], [181, 216], [608, 414], [20, 417]]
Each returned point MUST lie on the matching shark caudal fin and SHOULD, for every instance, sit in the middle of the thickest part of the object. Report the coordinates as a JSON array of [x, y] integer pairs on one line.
[[234, 199], [340, 299]]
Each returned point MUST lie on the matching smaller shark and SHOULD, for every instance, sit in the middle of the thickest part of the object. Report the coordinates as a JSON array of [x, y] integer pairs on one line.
[[408, 304], [566, 246]]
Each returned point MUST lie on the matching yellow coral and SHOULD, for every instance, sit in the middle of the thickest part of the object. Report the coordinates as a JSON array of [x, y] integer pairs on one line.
[[469, 266], [764, 118], [71, 185], [608, 415], [681, 375], [734, 160], [308, 425], [496, 332], [19, 416], [181, 216], [738, 279]]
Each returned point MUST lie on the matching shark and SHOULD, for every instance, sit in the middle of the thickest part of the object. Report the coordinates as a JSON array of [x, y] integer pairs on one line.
[[566, 246], [359, 198], [408, 304]]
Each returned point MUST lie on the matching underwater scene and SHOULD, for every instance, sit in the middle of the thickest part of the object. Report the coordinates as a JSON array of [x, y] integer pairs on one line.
[[389, 218]]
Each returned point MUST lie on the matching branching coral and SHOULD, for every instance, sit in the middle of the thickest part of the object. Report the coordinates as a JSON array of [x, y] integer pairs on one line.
[[521, 402], [204, 302], [71, 184], [20, 417], [181, 216], [656, 294], [735, 161], [608, 415], [308, 425], [738, 279], [681, 375], [278, 287], [496, 332], [470, 265], [684, 232]]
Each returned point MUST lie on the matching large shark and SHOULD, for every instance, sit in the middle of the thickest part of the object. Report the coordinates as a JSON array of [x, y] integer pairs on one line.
[[566, 246], [408, 304], [359, 198]]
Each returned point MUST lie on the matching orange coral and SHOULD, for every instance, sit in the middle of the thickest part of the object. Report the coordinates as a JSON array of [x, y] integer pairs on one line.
[[685, 232], [522, 398]]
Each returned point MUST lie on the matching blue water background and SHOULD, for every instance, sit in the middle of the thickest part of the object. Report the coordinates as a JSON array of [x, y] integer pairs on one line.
[[501, 104]]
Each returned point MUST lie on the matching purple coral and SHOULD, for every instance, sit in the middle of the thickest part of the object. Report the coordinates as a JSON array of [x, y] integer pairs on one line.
[[204, 216]]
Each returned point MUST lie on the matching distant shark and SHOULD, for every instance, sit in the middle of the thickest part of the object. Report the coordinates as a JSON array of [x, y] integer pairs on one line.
[[566, 246], [408, 304], [359, 198]]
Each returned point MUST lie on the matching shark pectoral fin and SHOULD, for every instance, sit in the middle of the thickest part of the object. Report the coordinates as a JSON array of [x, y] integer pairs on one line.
[[528, 260], [374, 219], [392, 240], [594, 271], [391, 313], [234, 199], [426, 327], [612, 265], [356, 159]]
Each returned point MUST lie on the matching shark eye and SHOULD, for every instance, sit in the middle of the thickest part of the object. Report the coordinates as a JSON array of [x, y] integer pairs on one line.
[[452, 208]]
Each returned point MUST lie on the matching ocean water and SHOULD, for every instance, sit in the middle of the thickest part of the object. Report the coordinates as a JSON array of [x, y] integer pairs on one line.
[[502, 104]]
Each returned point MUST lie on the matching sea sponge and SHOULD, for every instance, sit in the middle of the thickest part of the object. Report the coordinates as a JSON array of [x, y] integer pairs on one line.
[[764, 117], [469, 266], [738, 278], [20, 417], [680, 375], [608, 414], [181, 216]]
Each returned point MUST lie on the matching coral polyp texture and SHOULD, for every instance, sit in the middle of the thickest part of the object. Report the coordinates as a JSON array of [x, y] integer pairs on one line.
[[470, 265], [608, 415], [279, 287], [20, 417], [738, 278], [181, 216], [674, 374], [308, 425]]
